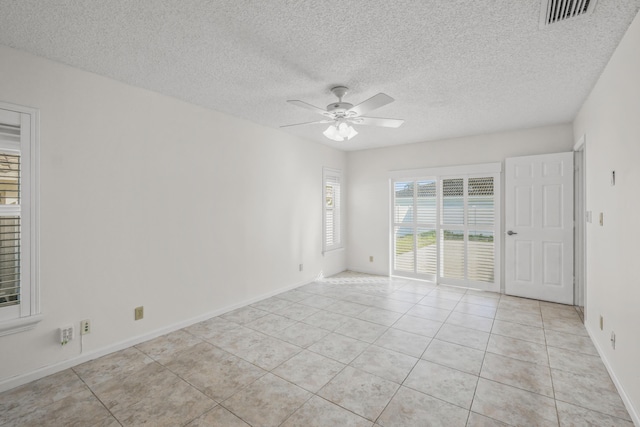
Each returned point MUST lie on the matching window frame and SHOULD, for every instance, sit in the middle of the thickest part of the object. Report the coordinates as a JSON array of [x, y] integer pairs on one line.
[[27, 314], [335, 174]]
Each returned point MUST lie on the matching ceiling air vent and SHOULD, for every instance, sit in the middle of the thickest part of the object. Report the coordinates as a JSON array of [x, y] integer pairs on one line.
[[561, 10]]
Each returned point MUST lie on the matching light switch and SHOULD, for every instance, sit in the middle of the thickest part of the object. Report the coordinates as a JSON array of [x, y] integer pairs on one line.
[[601, 218]]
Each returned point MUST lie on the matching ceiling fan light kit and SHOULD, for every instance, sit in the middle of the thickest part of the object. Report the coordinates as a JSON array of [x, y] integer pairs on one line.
[[339, 132], [342, 115]]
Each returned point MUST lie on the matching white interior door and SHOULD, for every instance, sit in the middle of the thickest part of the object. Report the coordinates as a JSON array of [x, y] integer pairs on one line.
[[539, 227]]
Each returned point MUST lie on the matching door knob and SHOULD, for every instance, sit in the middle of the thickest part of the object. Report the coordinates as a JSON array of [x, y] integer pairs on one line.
[[511, 233]]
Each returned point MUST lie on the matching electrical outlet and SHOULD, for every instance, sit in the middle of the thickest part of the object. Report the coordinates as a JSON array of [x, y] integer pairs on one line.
[[370, 258], [66, 334], [139, 313], [601, 323], [300, 267], [613, 340], [85, 327]]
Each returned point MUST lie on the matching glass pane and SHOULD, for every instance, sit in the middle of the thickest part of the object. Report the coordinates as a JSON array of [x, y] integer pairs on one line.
[[403, 202], [426, 251], [426, 202], [9, 261], [481, 256], [332, 211], [453, 201], [452, 254], [9, 179], [329, 196], [404, 255], [480, 203], [335, 214]]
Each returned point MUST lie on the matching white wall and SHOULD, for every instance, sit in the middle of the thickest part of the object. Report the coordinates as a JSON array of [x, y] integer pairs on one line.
[[147, 200], [368, 186], [610, 119]]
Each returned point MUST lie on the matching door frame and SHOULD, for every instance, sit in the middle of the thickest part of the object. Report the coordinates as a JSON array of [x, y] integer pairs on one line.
[[580, 220]]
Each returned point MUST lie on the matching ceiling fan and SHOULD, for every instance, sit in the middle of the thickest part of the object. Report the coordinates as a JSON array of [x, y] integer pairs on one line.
[[341, 115]]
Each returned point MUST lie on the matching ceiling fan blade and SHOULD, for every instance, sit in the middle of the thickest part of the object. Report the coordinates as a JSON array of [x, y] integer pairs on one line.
[[308, 123], [309, 107], [378, 121], [376, 101]]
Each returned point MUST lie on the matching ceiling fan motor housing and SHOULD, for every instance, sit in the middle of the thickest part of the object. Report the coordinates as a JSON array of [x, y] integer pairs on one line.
[[339, 109]]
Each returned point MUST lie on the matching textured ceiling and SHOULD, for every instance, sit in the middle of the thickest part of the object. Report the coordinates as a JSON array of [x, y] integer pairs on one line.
[[454, 67]]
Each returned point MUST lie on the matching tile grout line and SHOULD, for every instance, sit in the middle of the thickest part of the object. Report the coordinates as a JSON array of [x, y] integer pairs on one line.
[[344, 368], [553, 388], [416, 364], [359, 354], [96, 396], [484, 355], [312, 394]]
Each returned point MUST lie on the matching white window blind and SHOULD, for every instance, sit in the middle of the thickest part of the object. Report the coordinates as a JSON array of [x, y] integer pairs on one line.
[[332, 234], [19, 304]]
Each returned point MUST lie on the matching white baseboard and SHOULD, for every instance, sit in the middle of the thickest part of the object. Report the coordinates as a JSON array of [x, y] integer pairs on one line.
[[633, 412], [19, 380], [368, 271]]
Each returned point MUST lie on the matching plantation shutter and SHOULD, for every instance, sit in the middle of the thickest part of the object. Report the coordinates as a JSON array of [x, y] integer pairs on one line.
[[426, 214], [332, 210], [415, 228], [403, 227], [481, 226], [444, 227], [10, 208], [452, 245], [468, 229]]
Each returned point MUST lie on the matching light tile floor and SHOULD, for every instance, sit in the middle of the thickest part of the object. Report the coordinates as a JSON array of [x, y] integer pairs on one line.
[[350, 350]]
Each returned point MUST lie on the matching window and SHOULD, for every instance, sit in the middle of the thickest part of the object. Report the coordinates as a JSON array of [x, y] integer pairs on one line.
[[444, 221], [19, 292], [332, 234]]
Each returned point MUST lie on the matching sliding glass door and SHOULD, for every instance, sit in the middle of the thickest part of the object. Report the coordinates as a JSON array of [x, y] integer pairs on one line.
[[445, 228]]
